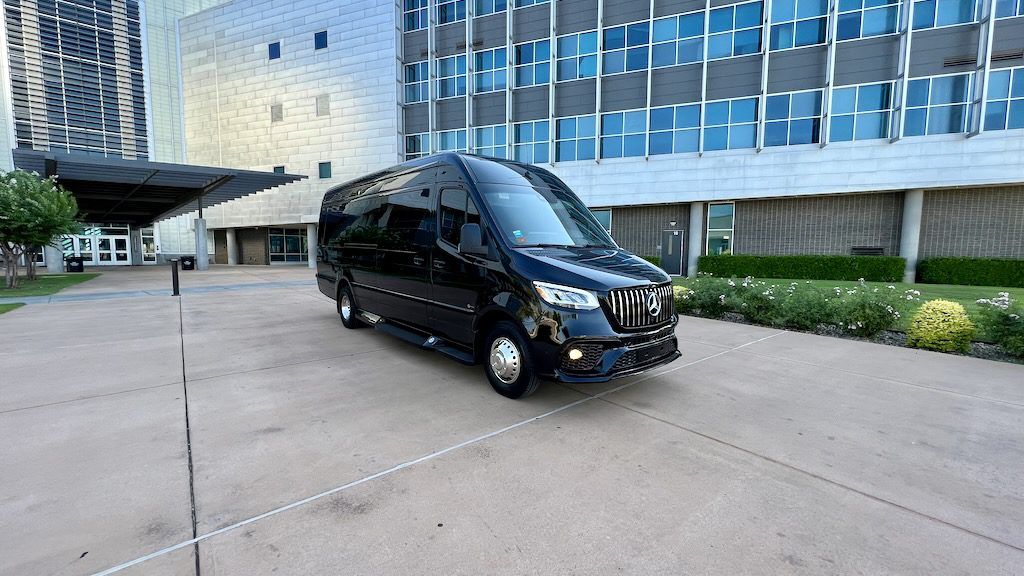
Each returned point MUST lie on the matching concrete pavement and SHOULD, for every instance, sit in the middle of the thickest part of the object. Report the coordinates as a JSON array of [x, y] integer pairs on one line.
[[760, 452]]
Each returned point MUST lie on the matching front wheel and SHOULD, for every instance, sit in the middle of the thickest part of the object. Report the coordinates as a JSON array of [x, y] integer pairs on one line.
[[508, 362], [347, 309]]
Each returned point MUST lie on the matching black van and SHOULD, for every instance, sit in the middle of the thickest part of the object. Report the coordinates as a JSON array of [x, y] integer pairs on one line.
[[496, 262]]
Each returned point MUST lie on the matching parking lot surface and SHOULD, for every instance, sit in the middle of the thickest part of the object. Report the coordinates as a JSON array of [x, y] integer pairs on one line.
[[240, 429]]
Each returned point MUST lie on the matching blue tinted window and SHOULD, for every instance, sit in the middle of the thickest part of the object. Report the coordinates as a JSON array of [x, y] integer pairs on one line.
[[320, 40], [842, 129], [324, 169], [274, 50]]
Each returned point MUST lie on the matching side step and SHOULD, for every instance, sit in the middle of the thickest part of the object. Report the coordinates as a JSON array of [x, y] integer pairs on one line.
[[429, 342]]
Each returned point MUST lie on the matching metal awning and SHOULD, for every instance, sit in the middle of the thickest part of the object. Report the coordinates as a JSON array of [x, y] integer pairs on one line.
[[140, 192]]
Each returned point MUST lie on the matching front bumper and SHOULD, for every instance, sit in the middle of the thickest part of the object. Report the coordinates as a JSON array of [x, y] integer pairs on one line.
[[605, 358]]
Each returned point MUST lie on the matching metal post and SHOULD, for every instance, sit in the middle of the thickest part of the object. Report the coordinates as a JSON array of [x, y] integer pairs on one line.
[[174, 277]]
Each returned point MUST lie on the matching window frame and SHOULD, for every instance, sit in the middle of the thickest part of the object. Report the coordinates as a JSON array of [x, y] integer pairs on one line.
[[966, 103], [273, 47], [437, 135], [422, 15], [421, 66], [975, 11], [479, 72], [478, 11], [790, 119], [576, 139], [493, 128], [897, 4], [420, 138], [732, 31], [533, 144], [316, 40], [320, 170], [454, 4], [604, 52], [623, 134], [532, 64], [674, 130], [677, 40], [439, 79], [1017, 11], [578, 56], [704, 126], [1009, 99], [732, 230], [795, 21], [833, 115]]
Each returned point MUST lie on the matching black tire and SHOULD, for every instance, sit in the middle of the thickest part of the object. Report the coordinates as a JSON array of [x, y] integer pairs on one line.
[[349, 318], [512, 374]]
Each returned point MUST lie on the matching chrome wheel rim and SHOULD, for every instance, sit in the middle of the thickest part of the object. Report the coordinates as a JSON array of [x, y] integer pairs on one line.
[[505, 360], [346, 307]]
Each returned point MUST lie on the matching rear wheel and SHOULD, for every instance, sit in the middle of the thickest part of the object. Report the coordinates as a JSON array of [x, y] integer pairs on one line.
[[347, 309], [508, 362]]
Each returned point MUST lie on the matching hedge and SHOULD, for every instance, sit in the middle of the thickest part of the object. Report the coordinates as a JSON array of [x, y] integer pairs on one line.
[[971, 271], [808, 267]]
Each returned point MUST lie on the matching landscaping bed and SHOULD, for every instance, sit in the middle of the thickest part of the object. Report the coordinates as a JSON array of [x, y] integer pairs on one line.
[[983, 322]]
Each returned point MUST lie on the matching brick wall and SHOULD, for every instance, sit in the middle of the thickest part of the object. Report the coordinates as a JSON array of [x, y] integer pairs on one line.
[[819, 225], [252, 246], [980, 222], [638, 229]]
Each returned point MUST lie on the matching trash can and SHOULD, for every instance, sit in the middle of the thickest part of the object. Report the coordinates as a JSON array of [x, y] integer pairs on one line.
[[188, 262], [75, 264]]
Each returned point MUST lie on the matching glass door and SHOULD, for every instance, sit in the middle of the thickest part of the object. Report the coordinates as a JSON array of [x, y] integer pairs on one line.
[[112, 250], [86, 248], [148, 246]]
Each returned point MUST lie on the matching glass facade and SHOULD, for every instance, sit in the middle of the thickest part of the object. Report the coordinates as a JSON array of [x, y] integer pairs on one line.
[[935, 105], [1005, 107], [288, 245], [76, 73]]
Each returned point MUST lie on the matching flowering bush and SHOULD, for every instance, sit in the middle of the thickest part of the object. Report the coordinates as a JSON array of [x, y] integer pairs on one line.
[[861, 310], [806, 307], [707, 296], [867, 311], [941, 325], [1003, 320]]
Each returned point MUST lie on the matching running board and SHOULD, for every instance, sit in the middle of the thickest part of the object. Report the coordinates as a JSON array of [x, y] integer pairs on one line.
[[430, 342]]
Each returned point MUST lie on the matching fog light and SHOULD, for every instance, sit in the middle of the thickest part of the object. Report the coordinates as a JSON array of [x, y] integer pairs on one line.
[[575, 354]]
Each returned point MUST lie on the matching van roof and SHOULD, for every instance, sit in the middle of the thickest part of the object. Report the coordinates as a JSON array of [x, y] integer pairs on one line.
[[470, 165]]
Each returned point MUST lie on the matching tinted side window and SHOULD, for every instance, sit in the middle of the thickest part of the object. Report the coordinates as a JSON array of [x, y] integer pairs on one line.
[[357, 223], [407, 220], [456, 209]]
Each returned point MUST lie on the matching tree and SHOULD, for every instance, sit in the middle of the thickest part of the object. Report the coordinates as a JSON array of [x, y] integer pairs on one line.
[[33, 212]]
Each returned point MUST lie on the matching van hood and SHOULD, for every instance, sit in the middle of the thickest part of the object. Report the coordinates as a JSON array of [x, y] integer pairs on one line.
[[589, 268]]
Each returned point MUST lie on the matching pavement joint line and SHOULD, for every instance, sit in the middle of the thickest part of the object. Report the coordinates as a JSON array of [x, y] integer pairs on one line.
[[885, 379], [409, 463], [816, 476], [188, 438], [79, 399]]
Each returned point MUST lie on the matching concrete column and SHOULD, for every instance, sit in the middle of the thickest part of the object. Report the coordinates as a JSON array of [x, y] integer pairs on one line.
[[202, 254], [311, 244], [54, 259], [695, 248], [910, 232], [229, 234]]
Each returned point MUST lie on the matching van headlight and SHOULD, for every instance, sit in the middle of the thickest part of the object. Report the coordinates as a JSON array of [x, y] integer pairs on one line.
[[566, 296]]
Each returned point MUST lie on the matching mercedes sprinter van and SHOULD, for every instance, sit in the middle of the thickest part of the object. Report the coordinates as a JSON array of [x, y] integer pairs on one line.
[[494, 262]]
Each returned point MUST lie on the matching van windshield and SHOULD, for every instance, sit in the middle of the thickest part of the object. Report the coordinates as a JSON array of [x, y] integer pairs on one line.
[[533, 217]]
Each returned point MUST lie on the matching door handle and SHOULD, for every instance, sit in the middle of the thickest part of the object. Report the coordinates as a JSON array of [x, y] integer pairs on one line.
[[418, 260], [440, 265]]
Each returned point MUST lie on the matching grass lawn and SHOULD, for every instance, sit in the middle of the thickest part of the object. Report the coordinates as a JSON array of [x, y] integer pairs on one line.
[[966, 295], [9, 307], [45, 284]]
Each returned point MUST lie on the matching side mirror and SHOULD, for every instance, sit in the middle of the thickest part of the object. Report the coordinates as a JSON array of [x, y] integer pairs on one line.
[[471, 240]]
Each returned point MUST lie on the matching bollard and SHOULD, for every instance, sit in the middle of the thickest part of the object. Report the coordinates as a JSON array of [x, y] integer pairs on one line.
[[174, 277]]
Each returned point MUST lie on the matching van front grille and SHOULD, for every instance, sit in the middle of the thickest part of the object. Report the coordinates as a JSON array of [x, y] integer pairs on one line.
[[633, 307]]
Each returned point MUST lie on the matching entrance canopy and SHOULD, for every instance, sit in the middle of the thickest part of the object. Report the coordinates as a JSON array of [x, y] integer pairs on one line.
[[139, 192]]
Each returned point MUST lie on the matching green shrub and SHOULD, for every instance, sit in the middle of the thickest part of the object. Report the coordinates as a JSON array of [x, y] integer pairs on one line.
[[1003, 320], [972, 271], [805, 307], [811, 267], [866, 311], [941, 325], [707, 296], [759, 302], [656, 260]]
